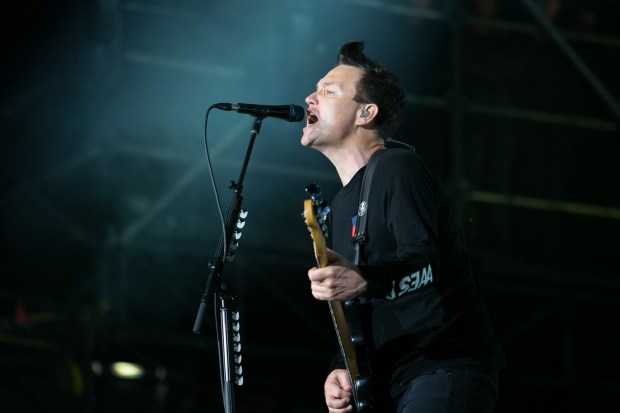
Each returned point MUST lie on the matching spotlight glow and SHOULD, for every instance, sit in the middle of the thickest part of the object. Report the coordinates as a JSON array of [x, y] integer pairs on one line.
[[127, 370]]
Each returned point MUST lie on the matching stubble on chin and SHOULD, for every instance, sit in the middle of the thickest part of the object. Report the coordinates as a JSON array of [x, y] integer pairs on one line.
[[309, 138], [305, 140]]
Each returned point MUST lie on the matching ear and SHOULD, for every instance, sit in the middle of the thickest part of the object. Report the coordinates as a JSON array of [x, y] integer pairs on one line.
[[366, 114]]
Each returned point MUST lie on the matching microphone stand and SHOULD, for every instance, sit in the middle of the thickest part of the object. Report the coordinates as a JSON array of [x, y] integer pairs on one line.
[[228, 339]]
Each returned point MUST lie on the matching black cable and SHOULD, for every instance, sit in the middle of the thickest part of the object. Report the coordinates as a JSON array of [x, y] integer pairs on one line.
[[213, 183], [411, 148]]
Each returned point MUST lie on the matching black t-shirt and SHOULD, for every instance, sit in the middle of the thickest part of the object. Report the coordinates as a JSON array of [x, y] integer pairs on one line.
[[426, 305]]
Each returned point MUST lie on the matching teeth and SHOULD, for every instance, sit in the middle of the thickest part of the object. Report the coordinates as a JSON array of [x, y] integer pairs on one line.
[[312, 118]]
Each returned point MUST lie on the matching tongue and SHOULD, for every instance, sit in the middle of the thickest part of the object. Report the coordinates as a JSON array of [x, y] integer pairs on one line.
[[312, 118]]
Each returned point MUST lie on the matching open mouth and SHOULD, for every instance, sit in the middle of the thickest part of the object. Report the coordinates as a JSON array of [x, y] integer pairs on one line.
[[311, 117]]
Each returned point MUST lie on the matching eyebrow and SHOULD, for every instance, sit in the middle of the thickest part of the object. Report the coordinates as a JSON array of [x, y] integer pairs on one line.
[[326, 83]]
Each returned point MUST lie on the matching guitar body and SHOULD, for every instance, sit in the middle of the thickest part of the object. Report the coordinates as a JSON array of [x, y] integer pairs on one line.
[[347, 318], [354, 352], [353, 313]]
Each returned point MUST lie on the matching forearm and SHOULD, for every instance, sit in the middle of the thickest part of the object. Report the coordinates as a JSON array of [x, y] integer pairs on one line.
[[394, 278]]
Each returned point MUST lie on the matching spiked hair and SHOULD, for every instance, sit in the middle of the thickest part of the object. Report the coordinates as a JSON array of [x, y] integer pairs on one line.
[[377, 85]]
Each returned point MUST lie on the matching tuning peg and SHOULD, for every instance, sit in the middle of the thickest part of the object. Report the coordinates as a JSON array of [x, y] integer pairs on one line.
[[313, 188], [324, 211], [315, 193]]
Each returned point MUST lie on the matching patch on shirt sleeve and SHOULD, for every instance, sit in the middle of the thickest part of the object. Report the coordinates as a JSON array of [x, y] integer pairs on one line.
[[411, 282]]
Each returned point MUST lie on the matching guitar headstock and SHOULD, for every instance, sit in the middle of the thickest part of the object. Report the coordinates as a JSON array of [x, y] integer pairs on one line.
[[315, 214], [320, 209]]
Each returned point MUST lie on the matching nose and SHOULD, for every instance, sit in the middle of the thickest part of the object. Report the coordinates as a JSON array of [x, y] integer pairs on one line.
[[311, 98]]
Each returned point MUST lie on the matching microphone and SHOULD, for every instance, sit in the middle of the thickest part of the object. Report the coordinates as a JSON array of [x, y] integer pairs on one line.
[[291, 113]]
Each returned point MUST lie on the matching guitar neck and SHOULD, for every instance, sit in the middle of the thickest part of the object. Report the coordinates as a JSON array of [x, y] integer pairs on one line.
[[344, 339], [359, 384]]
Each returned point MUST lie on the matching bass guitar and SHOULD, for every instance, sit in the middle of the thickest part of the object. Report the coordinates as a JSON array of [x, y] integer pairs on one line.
[[315, 215]]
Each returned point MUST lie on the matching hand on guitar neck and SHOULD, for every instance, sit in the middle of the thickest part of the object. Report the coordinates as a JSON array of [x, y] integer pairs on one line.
[[338, 280]]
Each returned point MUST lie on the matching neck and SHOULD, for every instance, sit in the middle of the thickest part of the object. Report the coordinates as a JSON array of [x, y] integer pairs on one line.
[[351, 158]]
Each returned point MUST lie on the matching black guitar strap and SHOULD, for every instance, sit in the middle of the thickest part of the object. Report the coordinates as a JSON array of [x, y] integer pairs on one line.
[[354, 308], [360, 236]]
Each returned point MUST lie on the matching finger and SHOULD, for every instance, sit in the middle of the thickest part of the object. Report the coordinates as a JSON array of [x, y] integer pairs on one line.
[[338, 381], [347, 409], [320, 292], [344, 382], [335, 391], [326, 289], [316, 274], [340, 405]]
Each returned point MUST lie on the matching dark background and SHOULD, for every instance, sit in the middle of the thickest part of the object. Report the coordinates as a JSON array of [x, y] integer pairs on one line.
[[108, 217]]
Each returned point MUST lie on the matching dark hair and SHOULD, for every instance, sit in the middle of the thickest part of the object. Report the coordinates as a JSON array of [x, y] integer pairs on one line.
[[377, 85]]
